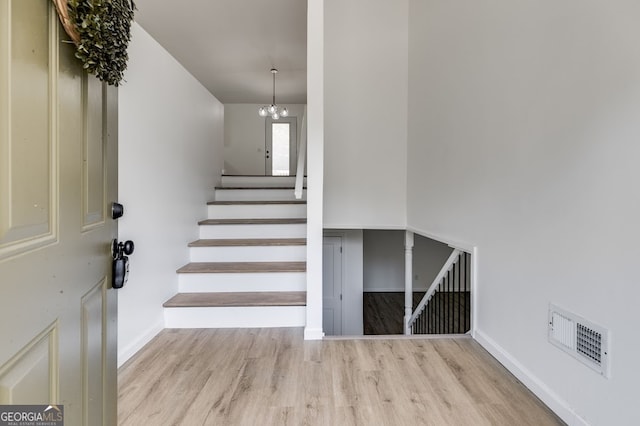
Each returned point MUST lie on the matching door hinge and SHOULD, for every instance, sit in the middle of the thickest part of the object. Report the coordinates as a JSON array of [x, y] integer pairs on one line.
[[340, 249], [341, 296]]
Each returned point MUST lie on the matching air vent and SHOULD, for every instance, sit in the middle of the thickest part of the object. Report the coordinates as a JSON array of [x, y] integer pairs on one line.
[[580, 338]]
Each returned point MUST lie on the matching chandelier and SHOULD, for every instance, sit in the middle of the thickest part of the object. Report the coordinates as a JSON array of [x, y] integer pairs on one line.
[[273, 110]]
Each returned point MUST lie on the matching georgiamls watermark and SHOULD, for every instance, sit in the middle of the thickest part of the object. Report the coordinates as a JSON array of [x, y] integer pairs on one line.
[[31, 415]]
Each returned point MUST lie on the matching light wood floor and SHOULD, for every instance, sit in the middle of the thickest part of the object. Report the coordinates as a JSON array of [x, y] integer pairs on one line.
[[273, 377]]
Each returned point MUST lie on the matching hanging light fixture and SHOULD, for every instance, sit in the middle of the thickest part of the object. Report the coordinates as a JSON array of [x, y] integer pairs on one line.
[[273, 110]]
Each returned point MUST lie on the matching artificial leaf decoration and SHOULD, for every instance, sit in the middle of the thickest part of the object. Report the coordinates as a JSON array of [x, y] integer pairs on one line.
[[104, 28]]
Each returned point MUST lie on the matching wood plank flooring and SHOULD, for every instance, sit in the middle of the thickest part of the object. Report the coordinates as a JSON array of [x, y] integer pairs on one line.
[[383, 313], [274, 377]]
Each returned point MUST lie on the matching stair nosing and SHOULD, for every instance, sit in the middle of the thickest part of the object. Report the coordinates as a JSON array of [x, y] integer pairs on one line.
[[262, 176], [252, 299], [248, 242], [242, 267], [255, 203], [286, 188], [256, 221]]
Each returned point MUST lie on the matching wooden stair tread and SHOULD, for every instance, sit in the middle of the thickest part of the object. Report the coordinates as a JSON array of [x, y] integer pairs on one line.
[[288, 188], [249, 242], [201, 300], [276, 221], [261, 176], [241, 267], [255, 203]]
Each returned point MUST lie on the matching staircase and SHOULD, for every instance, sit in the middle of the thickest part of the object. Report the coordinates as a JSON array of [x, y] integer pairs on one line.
[[248, 269], [446, 306]]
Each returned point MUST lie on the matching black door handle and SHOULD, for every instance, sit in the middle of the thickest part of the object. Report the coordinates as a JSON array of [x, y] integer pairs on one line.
[[120, 267]]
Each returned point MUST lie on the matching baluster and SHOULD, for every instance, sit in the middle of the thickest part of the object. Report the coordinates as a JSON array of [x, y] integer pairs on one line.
[[459, 292], [439, 305], [463, 301], [434, 311], [429, 319], [438, 310], [444, 282], [449, 306], [466, 290], [445, 317]]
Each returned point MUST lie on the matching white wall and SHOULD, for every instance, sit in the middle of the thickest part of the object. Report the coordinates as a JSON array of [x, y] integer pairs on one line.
[[170, 158], [524, 130], [365, 113], [384, 260], [244, 137]]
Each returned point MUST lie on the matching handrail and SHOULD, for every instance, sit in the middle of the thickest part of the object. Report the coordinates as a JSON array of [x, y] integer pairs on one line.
[[432, 288], [302, 154]]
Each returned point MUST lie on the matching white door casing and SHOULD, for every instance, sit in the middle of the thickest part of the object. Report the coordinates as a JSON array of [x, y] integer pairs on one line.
[[332, 286], [58, 177]]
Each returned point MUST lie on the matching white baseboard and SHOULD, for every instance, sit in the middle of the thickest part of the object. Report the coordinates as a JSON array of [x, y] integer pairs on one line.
[[313, 333], [533, 383], [125, 353]]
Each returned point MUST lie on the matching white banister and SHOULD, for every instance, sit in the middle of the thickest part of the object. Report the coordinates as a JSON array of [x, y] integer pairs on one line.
[[408, 280], [432, 288], [302, 155]]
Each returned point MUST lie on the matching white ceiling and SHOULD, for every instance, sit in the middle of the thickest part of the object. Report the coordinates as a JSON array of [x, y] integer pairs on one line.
[[230, 45]]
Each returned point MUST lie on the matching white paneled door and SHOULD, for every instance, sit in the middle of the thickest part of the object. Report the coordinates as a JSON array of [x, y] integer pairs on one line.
[[332, 286], [58, 153]]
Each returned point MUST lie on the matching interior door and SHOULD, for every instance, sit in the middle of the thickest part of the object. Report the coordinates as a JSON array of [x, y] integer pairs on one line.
[[281, 146], [58, 177], [332, 286]]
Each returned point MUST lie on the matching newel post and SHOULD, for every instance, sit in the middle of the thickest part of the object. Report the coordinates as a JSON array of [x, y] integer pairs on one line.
[[408, 280]]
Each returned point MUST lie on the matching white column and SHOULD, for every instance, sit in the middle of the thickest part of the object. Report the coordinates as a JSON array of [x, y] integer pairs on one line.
[[315, 166], [408, 280]]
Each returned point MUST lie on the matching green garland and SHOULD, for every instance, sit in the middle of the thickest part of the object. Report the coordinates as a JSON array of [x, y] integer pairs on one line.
[[104, 27]]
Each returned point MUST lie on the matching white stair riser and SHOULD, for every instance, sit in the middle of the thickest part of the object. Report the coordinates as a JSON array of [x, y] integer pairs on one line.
[[257, 195], [249, 254], [227, 282], [235, 317], [257, 211], [291, 230], [251, 181]]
